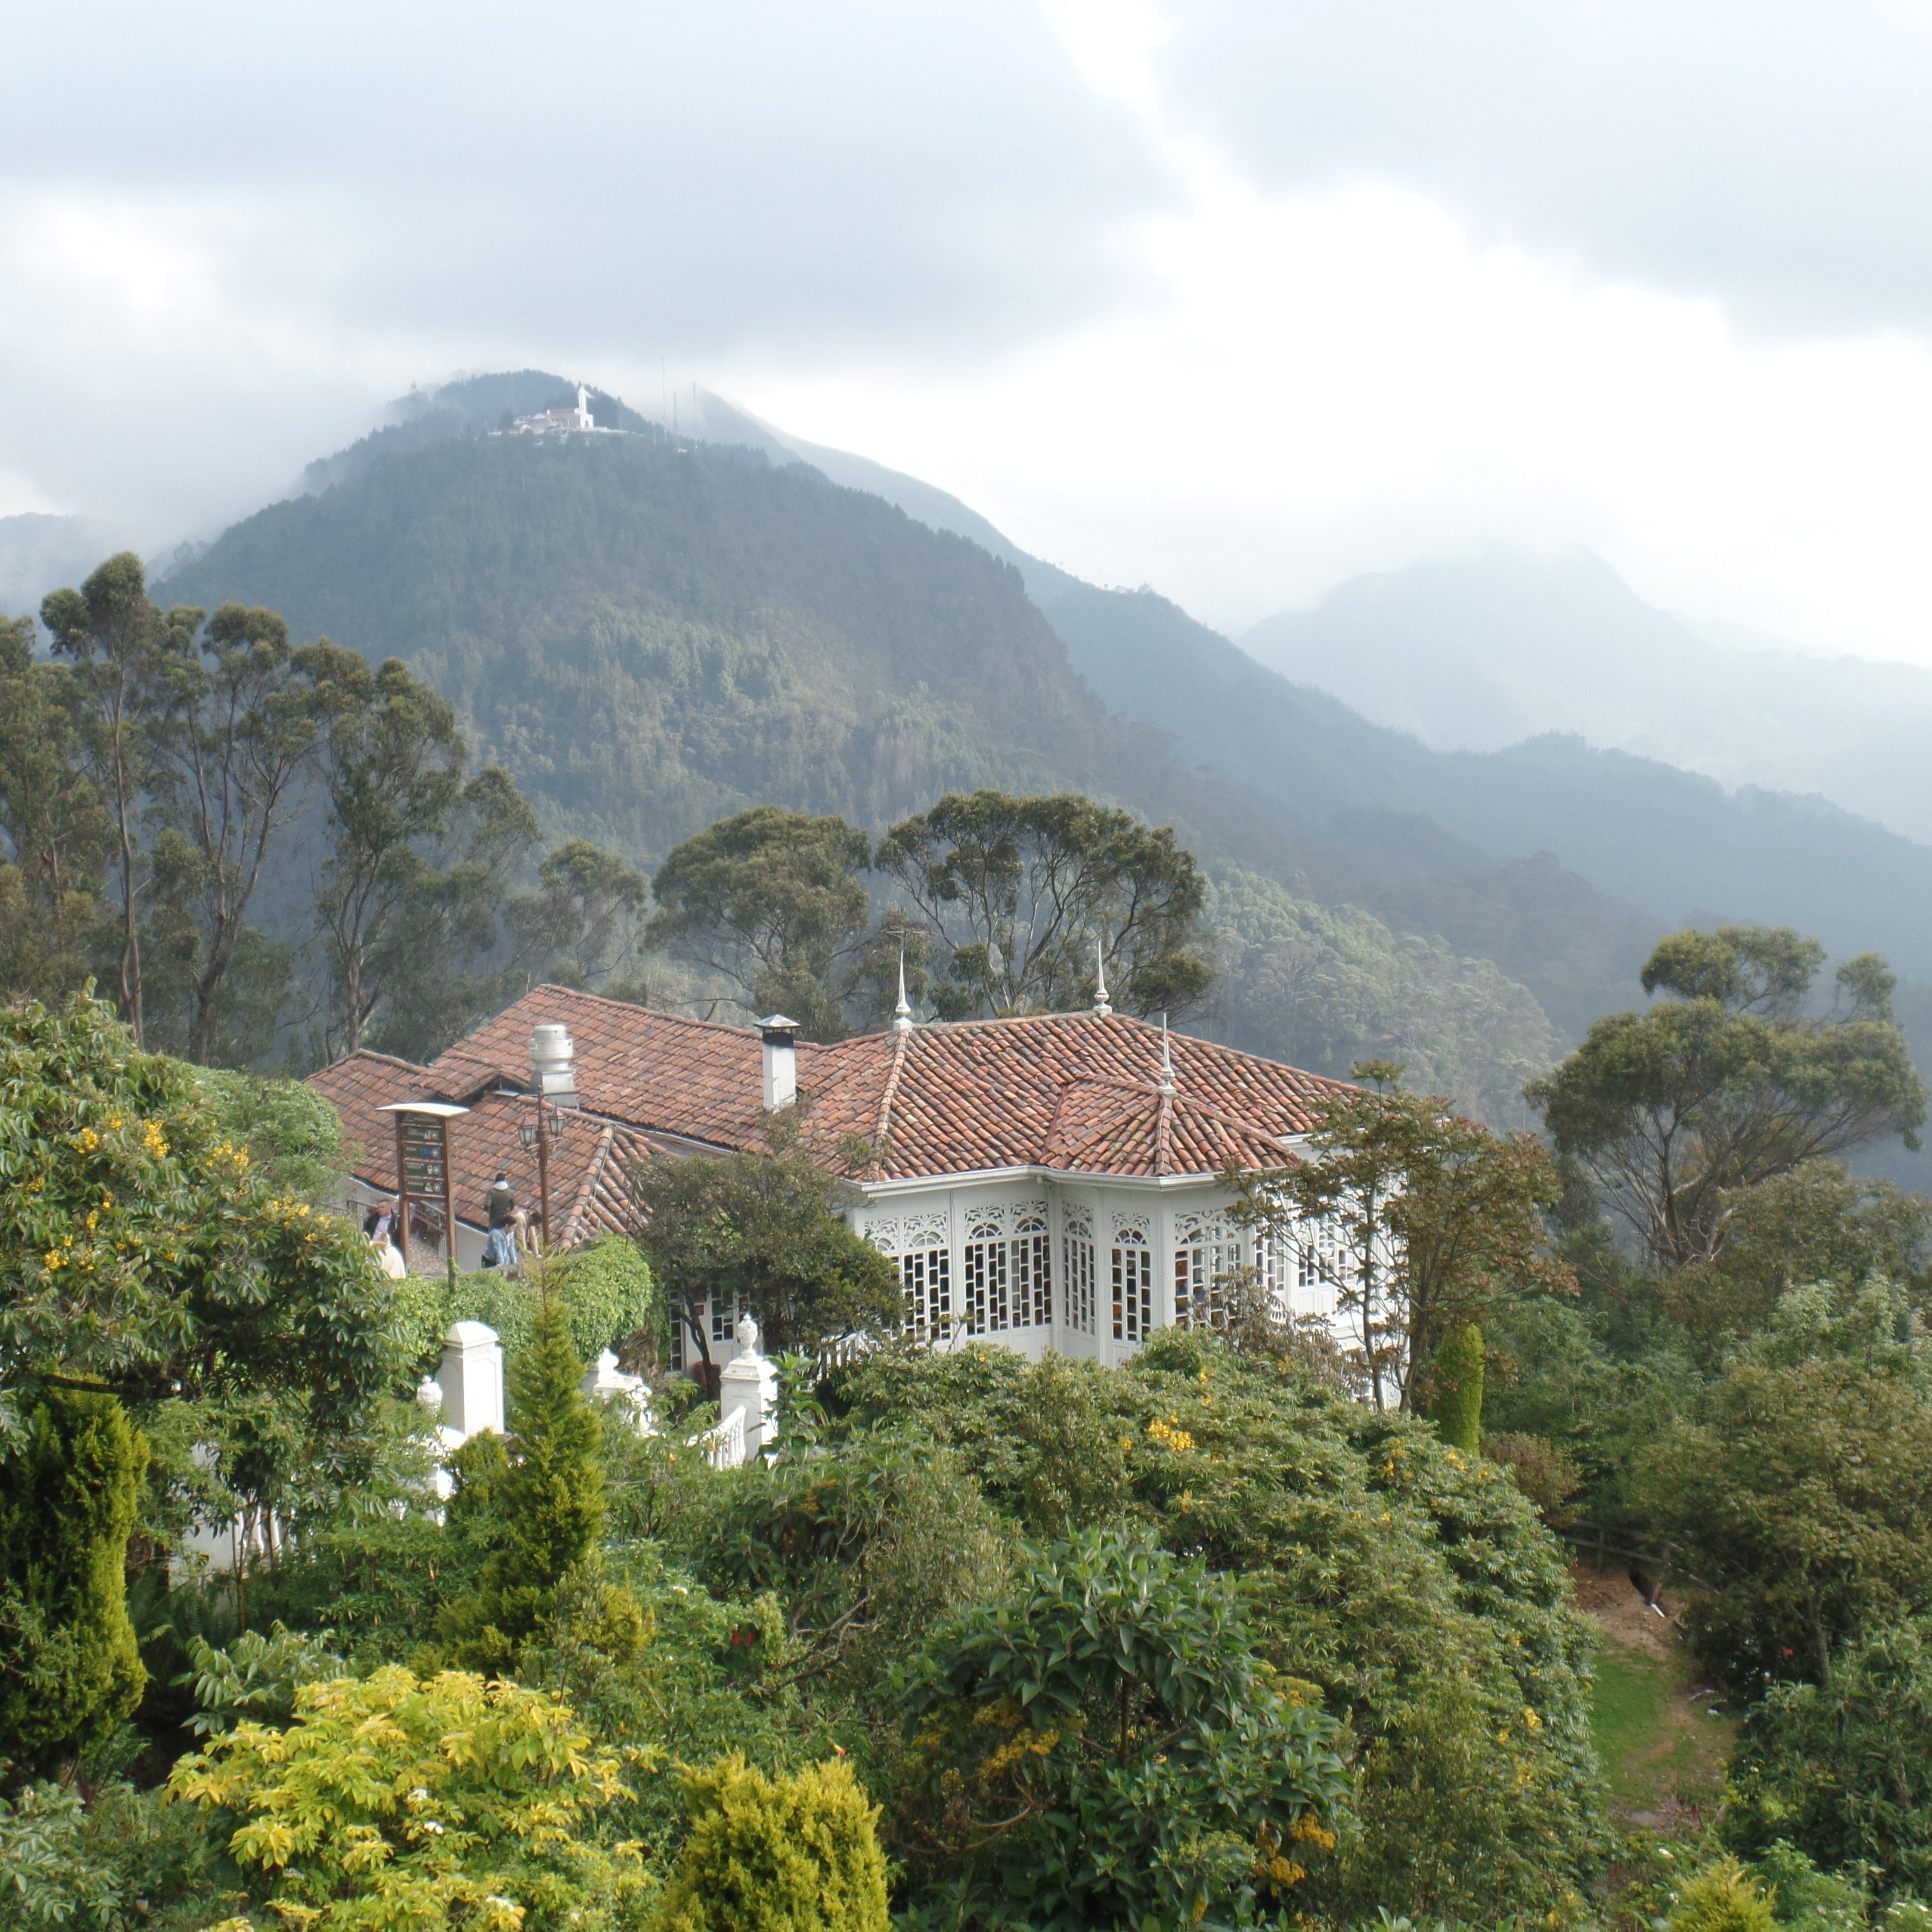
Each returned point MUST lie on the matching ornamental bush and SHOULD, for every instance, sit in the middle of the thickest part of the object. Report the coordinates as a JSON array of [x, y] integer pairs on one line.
[[397, 1801], [70, 1668], [1104, 1747], [1722, 1898], [1414, 1585], [1843, 1769], [1456, 1409], [799, 1852]]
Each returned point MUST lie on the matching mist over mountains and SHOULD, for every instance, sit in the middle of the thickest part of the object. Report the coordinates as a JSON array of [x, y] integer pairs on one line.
[[652, 631], [1481, 653]]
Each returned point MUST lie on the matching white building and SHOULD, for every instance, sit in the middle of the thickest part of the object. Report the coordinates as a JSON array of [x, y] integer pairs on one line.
[[1045, 1183]]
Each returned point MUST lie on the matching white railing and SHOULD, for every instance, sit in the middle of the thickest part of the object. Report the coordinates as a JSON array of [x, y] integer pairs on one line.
[[724, 1443]]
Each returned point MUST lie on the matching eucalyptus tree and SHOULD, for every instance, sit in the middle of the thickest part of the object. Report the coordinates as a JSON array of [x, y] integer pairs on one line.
[[54, 824], [1028, 897], [112, 634], [775, 901], [1732, 1078], [234, 726]]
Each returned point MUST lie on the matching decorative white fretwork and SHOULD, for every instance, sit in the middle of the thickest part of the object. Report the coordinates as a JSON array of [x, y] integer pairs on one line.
[[923, 1243]]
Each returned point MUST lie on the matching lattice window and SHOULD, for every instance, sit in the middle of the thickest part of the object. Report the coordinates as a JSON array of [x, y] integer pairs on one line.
[[1133, 1281], [722, 1318], [987, 1282], [1077, 1278], [1276, 1261], [1320, 1262], [925, 1279], [1206, 1255], [883, 1235]]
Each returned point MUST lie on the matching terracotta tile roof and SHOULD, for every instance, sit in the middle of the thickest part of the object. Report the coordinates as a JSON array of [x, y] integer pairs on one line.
[[1076, 1092], [651, 1070], [588, 1158]]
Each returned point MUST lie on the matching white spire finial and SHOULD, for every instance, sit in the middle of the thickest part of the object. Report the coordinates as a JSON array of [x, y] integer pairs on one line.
[[1166, 1060], [902, 1012], [1100, 1005]]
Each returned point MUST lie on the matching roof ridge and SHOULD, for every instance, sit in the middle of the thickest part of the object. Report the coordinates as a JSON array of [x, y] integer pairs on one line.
[[882, 1136]]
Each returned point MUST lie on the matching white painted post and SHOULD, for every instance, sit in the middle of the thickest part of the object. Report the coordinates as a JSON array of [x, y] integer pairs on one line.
[[606, 1381], [471, 1377], [749, 1387]]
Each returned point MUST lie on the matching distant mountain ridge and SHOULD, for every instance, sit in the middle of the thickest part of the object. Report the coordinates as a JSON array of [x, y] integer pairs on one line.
[[652, 632], [1480, 653]]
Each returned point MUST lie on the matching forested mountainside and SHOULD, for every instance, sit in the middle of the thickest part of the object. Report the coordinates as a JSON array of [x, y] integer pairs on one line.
[[652, 635], [1480, 652]]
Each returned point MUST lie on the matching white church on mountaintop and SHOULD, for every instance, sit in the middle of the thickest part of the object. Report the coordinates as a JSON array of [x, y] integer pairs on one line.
[[1042, 1182]]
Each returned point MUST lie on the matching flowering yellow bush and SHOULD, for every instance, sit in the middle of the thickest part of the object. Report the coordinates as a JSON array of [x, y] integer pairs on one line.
[[398, 1802]]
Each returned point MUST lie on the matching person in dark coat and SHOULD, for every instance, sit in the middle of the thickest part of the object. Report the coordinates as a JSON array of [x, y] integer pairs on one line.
[[500, 1204]]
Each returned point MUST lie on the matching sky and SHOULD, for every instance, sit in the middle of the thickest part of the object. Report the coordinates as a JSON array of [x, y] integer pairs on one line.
[[1238, 298]]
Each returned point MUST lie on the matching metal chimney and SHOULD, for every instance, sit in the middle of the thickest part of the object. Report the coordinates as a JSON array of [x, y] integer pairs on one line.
[[780, 1036], [553, 1061]]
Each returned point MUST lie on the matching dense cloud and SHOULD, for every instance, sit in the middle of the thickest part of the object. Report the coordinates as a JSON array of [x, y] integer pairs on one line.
[[1772, 153]]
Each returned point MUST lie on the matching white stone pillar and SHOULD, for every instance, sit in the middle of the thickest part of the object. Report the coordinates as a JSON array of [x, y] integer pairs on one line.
[[471, 1377], [607, 1381], [749, 1384]]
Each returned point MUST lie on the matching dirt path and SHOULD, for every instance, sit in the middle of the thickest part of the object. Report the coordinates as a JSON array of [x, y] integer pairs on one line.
[[1662, 1749]]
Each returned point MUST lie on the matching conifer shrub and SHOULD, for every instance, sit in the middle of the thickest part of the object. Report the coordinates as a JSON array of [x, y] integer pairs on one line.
[[1457, 1408], [70, 1667], [1723, 1896], [534, 1508], [799, 1852]]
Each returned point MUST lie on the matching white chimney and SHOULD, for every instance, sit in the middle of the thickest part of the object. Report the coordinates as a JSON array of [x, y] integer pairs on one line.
[[781, 1038], [552, 1056]]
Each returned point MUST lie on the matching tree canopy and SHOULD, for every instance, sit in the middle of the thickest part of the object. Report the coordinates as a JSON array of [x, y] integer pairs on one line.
[[773, 900], [1028, 897], [144, 1254], [1728, 1081], [1436, 1220]]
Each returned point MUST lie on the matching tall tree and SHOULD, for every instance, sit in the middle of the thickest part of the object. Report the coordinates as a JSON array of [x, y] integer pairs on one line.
[[111, 634], [234, 726], [773, 900], [1731, 1079], [1436, 1222], [766, 1233], [54, 824], [394, 777], [580, 927], [1021, 891], [442, 963]]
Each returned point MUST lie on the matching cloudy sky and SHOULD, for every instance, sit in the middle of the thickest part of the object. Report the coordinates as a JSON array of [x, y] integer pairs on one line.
[[1238, 297]]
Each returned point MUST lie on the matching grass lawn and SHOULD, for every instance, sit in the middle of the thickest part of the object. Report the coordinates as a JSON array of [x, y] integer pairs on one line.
[[1662, 1753]]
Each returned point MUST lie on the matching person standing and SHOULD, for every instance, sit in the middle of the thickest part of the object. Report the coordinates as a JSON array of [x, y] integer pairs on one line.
[[499, 1250]]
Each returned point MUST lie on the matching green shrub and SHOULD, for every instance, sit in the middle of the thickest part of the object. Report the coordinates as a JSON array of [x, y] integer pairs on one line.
[[796, 1853], [1103, 1746], [1457, 1408], [107, 1865], [397, 1801], [607, 1289], [1722, 1898], [1843, 1769], [69, 1668], [1415, 1585]]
